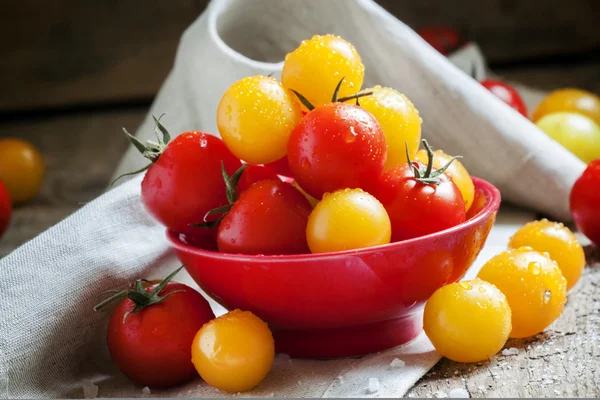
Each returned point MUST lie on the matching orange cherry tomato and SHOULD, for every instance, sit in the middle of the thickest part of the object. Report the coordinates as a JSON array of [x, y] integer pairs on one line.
[[21, 169], [574, 100]]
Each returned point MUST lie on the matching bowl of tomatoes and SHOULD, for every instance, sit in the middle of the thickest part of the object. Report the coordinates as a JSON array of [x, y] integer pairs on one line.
[[316, 209], [343, 303]]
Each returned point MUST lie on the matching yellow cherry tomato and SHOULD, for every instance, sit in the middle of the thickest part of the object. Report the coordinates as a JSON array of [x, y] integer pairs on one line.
[[459, 174], [574, 100], [558, 242], [467, 321], [313, 202], [399, 120], [255, 119], [347, 219], [576, 132], [234, 352], [316, 67], [534, 286], [21, 169]]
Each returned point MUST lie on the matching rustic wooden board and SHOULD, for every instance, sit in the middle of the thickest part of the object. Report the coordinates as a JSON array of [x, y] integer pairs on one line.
[[65, 52], [80, 152]]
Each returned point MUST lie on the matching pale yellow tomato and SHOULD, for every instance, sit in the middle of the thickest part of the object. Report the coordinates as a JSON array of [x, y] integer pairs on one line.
[[347, 219], [234, 352], [534, 286], [558, 242], [21, 169], [576, 132], [467, 321], [316, 67], [574, 100], [255, 119], [399, 120], [459, 174]]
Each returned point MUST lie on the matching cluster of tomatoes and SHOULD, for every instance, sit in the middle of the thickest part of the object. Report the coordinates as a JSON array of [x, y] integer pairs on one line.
[[21, 176], [517, 294], [352, 173]]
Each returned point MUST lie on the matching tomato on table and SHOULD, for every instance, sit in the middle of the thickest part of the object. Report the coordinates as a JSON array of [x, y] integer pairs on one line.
[[576, 132], [507, 94], [270, 217], [467, 321], [569, 100], [151, 330], [585, 202], [399, 120], [456, 170], [419, 199], [5, 209], [234, 352], [184, 180], [442, 38], [534, 286], [336, 146], [558, 242], [255, 118], [21, 169], [345, 220], [317, 65]]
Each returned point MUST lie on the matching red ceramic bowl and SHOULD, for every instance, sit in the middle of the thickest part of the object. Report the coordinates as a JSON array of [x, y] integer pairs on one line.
[[346, 303]]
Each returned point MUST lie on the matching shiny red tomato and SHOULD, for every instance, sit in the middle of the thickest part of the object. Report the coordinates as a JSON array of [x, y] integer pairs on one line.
[[253, 174], [281, 166], [419, 201], [585, 202], [268, 218], [184, 180], [151, 331], [5, 209], [336, 146], [507, 94], [442, 38]]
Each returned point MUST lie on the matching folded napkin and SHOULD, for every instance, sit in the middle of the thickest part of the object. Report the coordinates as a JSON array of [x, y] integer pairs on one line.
[[52, 343]]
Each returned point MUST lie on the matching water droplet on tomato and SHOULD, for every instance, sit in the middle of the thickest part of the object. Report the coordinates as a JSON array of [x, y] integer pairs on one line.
[[535, 268], [159, 330], [466, 285], [547, 296], [305, 163]]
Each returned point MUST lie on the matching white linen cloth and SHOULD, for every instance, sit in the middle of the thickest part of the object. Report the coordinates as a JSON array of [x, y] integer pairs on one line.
[[50, 339]]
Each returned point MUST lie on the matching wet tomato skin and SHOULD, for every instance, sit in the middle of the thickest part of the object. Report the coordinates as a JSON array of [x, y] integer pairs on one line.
[[336, 146], [270, 217], [152, 346]]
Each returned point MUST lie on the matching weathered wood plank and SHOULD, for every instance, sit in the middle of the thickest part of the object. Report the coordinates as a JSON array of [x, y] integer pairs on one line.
[[80, 153], [64, 52]]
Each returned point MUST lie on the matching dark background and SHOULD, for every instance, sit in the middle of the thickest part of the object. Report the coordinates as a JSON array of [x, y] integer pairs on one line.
[[65, 53], [73, 72]]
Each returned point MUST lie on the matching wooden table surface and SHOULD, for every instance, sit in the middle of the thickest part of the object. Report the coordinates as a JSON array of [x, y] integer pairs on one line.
[[82, 149]]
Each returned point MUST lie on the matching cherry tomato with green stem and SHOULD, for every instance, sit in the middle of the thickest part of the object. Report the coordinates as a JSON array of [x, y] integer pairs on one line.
[[419, 199], [151, 331]]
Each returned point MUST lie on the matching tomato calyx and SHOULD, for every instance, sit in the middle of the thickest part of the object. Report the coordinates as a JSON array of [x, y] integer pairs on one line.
[[231, 183], [140, 297], [334, 97], [425, 173], [151, 150]]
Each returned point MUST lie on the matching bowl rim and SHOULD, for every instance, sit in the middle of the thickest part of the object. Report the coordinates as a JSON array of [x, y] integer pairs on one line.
[[491, 206]]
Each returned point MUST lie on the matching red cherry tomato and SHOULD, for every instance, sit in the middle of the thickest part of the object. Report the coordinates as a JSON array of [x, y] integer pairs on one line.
[[585, 202], [281, 166], [268, 218], [185, 179], [336, 146], [151, 346], [442, 38], [5, 209], [507, 94], [417, 208], [253, 174]]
